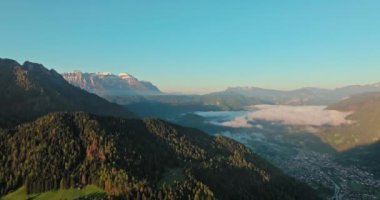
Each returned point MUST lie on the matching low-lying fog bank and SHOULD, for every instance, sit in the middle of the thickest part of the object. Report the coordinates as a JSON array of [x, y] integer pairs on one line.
[[287, 115]]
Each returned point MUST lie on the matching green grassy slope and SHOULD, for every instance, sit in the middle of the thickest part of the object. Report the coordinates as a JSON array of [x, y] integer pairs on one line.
[[68, 194]]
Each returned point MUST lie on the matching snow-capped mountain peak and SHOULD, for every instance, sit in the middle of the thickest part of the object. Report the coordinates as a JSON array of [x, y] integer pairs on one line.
[[104, 74], [125, 75], [108, 84]]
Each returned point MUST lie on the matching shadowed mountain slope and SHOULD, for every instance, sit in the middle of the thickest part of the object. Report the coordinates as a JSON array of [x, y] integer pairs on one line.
[[30, 90]]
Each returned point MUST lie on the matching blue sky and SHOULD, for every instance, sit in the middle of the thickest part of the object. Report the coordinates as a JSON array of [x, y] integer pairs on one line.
[[201, 46]]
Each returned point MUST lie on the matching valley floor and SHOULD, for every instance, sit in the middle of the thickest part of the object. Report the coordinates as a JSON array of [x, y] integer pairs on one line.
[[305, 158], [321, 171]]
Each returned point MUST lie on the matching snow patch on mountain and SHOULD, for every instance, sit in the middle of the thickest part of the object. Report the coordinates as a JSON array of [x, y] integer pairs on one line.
[[108, 84]]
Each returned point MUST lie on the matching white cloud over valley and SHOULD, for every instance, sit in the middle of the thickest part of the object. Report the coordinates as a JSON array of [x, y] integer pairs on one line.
[[288, 115]]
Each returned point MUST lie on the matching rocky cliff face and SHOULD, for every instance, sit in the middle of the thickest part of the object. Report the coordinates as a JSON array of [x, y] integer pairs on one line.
[[108, 84]]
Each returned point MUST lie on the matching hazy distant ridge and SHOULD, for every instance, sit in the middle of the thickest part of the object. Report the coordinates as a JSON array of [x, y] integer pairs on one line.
[[307, 95]]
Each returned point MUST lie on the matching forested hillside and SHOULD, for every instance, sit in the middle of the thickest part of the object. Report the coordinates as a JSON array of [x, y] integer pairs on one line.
[[359, 141], [136, 159], [365, 126]]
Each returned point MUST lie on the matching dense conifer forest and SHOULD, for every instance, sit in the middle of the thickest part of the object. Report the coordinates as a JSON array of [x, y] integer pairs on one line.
[[136, 159]]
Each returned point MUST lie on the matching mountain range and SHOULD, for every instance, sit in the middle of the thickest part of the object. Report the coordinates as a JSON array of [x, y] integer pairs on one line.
[[47, 145], [237, 98], [126, 90], [30, 90], [76, 138], [303, 96]]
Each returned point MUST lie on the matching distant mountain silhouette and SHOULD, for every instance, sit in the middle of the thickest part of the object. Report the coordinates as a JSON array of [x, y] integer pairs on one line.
[[307, 96]]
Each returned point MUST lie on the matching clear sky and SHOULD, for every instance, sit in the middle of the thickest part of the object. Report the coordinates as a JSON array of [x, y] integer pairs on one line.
[[200, 45]]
